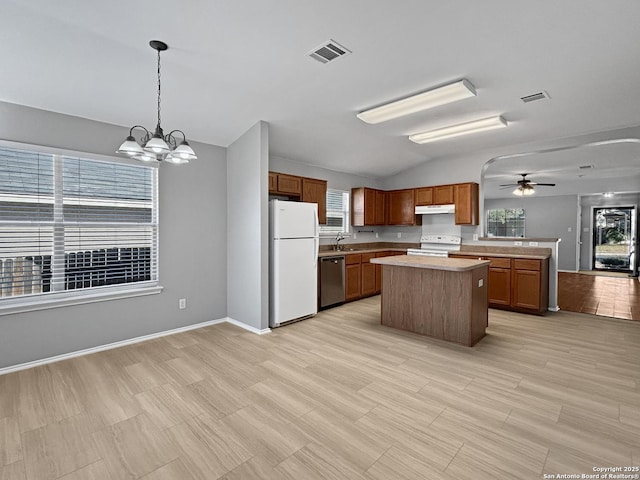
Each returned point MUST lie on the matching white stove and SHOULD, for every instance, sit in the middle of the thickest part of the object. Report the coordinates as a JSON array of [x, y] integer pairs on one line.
[[436, 245]]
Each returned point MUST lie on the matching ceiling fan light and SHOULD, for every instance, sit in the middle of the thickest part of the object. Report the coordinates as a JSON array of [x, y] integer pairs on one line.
[[130, 147], [524, 191], [422, 101], [451, 131]]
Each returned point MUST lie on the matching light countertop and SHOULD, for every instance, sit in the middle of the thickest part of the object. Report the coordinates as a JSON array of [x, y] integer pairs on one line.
[[433, 263]]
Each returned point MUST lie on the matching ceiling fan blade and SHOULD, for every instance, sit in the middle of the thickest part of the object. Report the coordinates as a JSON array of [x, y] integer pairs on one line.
[[509, 185], [544, 184]]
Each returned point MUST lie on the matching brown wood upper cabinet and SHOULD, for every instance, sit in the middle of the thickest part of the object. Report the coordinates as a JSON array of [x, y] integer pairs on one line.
[[466, 200], [443, 195], [311, 190], [289, 184], [368, 207], [315, 191], [401, 208], [424, 196]]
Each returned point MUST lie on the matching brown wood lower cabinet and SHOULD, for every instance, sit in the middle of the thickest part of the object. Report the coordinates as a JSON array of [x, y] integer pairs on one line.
[[352, 273], [363, 278], [519, 284], [368, 271]]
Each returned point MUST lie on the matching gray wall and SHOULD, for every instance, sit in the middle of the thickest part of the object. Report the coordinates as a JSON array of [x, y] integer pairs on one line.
[[586, 204], [248, 228], [548, 217], [192, 248]]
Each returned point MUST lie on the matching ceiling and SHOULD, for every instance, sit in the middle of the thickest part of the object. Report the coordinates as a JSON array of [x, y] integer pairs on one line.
[[603, 167], [232, 63]]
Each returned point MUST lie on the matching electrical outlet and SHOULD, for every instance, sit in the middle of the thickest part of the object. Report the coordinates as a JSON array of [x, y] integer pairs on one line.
[[569, 229], [480, 282], [475, 237], [182, 303], [585, 229], [355, 235], [377, 235], [517, 244], [399, 235], [533, 244]]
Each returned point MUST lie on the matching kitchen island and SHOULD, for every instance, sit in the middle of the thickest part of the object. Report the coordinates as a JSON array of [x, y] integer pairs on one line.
[[439, 297]]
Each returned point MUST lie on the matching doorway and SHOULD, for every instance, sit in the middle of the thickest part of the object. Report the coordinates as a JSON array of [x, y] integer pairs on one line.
[[614, 233]]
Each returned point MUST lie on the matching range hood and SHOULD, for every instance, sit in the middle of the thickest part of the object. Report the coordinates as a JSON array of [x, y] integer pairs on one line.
[[433, 209]]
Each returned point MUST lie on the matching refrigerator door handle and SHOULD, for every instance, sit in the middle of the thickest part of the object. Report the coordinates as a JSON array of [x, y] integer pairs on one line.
[[316, 237]]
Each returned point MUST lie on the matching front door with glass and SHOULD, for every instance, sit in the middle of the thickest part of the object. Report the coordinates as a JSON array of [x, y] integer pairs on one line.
[[614, 233]]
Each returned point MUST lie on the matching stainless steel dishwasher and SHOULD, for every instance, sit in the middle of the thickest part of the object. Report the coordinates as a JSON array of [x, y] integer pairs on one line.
[[331, 281]]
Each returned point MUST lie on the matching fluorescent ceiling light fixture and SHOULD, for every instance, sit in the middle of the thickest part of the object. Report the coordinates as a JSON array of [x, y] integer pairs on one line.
[[422, 101], [476, 126], [607, 194]]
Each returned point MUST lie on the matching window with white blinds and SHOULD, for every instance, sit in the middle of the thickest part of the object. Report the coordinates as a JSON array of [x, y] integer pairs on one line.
[[337, 212], [72, 225]]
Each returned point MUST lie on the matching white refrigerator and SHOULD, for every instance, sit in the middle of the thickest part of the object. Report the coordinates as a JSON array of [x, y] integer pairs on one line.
[[293, 261]]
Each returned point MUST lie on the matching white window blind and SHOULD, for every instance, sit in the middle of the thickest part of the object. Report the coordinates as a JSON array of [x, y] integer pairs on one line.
[[74, 224], [337, 212]]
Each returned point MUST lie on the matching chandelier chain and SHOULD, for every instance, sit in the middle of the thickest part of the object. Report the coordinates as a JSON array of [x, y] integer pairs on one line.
[[158, 88]]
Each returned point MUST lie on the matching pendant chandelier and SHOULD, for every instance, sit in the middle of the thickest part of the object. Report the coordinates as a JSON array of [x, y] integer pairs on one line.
[[157, 147]]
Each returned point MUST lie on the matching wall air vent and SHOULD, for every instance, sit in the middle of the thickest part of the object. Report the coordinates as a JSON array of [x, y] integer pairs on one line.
[[328, 51], [535, 96]]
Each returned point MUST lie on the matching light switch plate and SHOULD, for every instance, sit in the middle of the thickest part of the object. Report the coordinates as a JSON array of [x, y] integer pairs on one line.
[[377, 235], [533, 244], [475, 237], [399, 235], [182, 303], [480, 282], [517, 244]]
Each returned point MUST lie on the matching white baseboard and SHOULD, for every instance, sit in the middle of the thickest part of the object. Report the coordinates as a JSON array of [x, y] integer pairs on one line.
[[130, 341], [255, 330], [568, 271]]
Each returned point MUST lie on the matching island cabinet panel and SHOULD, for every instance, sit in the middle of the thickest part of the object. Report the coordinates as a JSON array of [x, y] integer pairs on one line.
[[368, 272], [424, 196], [315, 191], [450, 305], [443, 195], [466, 202], [402, 208]]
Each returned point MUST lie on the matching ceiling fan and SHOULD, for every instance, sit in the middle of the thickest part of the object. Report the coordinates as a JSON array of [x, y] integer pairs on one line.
[[526, 186]]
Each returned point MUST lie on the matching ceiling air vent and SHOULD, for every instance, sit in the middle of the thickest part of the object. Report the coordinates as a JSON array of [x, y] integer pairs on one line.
[[534, 96], [328, 51], [586, 167]]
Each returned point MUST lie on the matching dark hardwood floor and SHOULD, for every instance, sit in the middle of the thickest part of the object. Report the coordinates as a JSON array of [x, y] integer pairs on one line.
[[617, 297]]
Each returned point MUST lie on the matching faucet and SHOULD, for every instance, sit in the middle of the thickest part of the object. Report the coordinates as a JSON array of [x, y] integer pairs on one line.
[[339, 236]]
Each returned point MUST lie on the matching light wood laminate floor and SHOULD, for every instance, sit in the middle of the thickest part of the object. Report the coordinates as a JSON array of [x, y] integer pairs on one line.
[[334, 397]]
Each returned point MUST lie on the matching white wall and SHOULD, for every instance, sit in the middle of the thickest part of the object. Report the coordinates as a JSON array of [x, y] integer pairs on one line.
[[548, 217], [192, 250], [248, 228]]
